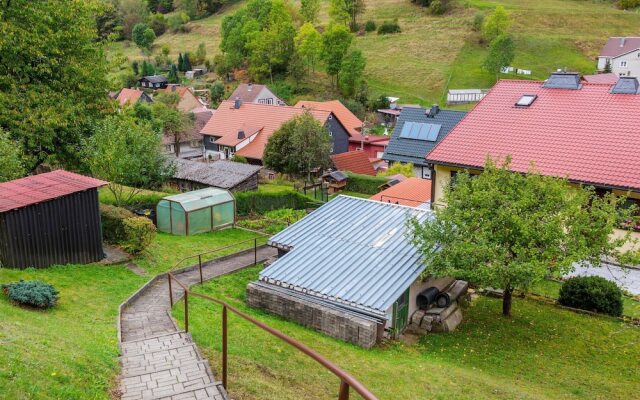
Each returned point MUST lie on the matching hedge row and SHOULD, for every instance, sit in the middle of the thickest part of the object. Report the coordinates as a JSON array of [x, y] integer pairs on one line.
[[262, 202], [364, 183], [121, 227]]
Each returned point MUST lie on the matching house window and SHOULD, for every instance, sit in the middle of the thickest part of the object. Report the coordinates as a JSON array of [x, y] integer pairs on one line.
[[330, 116], [331, 133], [623, 63], [212, 140]]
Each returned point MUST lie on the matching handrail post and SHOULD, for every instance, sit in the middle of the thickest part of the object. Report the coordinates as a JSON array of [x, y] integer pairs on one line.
[[344, 391], [186, 311], [200, 266], [170, 290], [255, 251], [224, 346]]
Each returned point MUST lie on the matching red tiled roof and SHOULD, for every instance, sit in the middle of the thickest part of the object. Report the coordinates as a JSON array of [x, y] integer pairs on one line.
[[227, 120], [617, 46], [128, 96], [350, 122], [410, 192], [38, 188], [607, 79], [181, 90], [588, 135], [354, 161]]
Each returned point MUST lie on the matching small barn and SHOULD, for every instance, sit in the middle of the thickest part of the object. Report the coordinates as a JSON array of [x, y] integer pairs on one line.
[[348, 269], [48, 219], [154, 82], [196, 212], [228, 175]]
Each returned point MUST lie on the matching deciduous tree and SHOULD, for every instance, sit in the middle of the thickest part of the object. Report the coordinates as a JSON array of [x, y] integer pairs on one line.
[[346, 11], [501, 54], [171, 121], [509, 230], [352, 76], [127, 152], [52, 78], [299, 146], [10, 158], [335, 44], [308, 44], [309, 9], [496, 24]]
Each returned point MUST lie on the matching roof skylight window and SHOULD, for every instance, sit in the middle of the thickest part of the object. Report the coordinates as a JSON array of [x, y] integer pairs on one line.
[[526, 100]]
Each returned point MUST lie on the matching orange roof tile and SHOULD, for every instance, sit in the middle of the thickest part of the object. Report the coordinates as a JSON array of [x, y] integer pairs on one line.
[[354, 161], [350, 122], [410, 192], [128, 96], [181, 90], [227, 120]]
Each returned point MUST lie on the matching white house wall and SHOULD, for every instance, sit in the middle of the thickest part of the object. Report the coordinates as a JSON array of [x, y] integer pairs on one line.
[[632, 67]]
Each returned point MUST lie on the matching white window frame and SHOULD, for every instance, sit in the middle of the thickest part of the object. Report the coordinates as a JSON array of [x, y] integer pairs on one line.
[[623, 64]]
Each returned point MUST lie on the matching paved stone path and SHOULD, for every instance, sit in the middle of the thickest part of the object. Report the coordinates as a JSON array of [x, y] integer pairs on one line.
[[628, 278], [158, 360]]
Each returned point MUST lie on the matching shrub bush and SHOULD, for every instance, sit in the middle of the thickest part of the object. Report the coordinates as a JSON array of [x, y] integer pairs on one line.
[[139, 233], [592, 293], [628, 4], [112, 218], [273, 221], [121, 227], [389, 27], [370, 26], [438, 7], [478, 21], [32, 293], [364, 183], [261, 202]]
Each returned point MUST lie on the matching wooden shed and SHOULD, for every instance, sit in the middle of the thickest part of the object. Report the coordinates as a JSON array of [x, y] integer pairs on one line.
[[48, 219]]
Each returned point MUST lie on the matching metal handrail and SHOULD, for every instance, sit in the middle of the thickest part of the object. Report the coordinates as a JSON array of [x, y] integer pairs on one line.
[[346, 380]]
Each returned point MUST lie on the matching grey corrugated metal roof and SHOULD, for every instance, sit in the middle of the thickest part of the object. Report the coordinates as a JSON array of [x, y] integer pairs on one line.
[[350, 251], [221, 174], [412, 150]]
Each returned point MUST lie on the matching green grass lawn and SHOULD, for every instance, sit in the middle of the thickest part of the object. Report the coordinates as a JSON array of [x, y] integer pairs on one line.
[[543, 352], [69, 352], [167, 249]]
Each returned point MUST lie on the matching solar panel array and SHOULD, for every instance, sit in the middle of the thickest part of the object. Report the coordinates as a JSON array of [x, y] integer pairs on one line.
[[420, 131]]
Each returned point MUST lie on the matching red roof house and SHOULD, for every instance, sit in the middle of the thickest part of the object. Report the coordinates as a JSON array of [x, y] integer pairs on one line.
[[132, 96], [244, 128], [586, 132], [411, 192], [354, 161]]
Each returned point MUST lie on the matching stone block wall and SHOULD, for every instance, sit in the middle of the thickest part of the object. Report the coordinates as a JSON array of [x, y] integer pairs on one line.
[[340, 325]]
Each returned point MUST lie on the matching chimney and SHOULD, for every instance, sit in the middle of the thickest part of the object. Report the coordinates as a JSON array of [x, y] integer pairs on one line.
[[240, 134], [237, 103], [622, 41], [249, 87], [435, 109]]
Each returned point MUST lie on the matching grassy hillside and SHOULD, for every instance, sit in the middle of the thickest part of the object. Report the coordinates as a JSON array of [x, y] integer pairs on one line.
[[433, 54]]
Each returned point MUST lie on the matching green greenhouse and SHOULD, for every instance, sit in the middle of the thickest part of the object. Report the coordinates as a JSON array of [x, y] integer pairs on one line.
[[195, 212]]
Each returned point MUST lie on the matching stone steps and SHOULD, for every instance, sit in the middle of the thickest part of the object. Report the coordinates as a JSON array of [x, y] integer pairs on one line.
[[166, 366]]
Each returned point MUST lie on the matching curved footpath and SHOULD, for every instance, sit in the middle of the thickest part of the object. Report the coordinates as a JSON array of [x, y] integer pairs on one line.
[[159, 361]]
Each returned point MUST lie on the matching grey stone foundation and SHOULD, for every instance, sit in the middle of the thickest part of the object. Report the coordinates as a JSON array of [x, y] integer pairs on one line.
[[338, 324]]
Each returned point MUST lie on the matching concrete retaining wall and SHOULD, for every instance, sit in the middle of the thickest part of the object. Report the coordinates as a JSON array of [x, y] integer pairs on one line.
[[338, 324]]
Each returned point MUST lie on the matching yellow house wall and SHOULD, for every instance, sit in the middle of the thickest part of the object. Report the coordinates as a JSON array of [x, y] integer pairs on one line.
[[443, 177]]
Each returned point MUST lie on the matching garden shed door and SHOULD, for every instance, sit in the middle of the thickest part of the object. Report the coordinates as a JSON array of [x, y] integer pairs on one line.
[[400, 313]]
